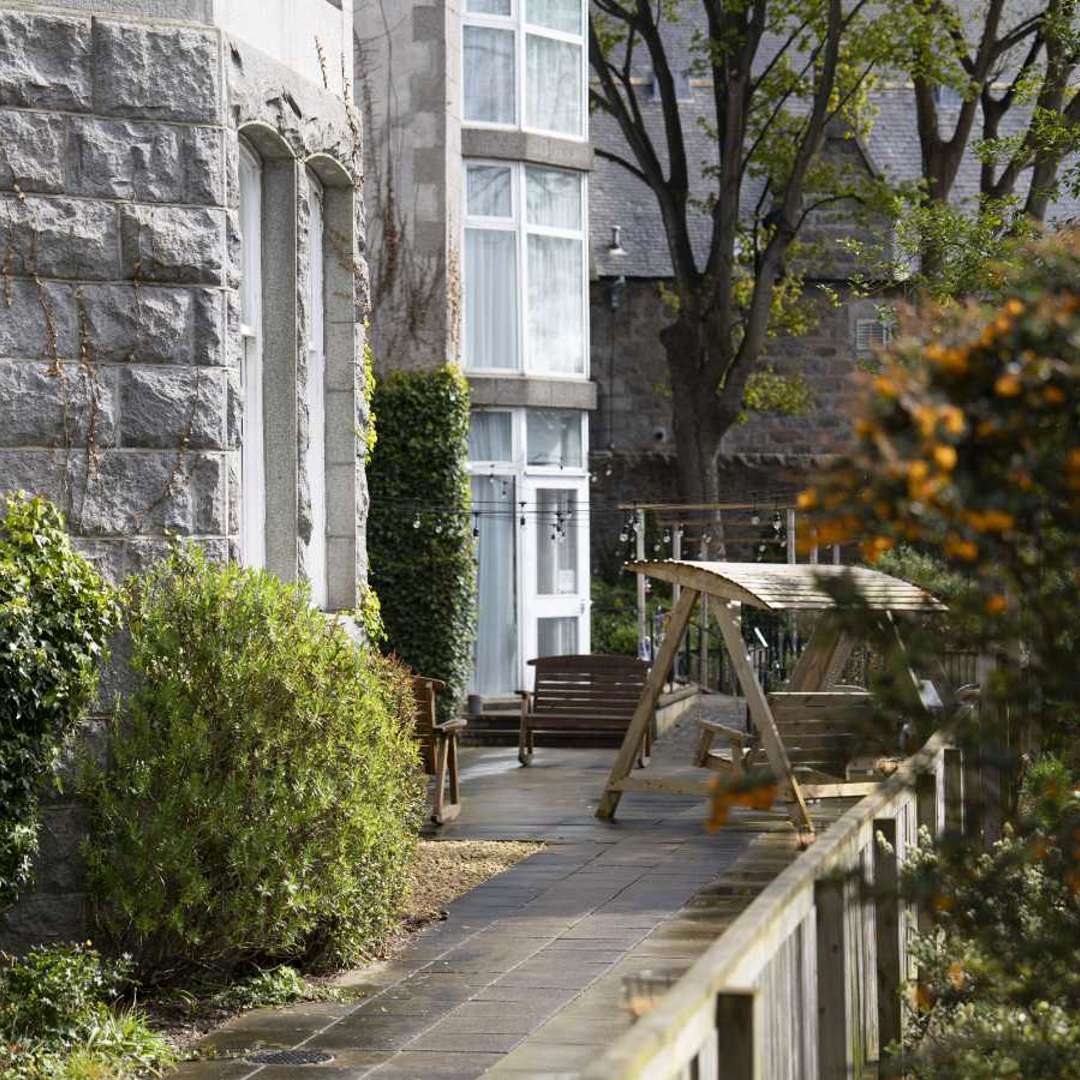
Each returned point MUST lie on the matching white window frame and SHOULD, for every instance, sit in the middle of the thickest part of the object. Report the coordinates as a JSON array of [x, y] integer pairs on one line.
[[519, 225], [252, 464], [318, 553], [517, 24]]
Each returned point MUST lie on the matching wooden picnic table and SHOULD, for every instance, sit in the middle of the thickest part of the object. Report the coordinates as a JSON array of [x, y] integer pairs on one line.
[[771, 587]]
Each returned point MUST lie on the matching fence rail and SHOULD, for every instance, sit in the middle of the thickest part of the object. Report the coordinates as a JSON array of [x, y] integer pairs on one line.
[[805, 983]]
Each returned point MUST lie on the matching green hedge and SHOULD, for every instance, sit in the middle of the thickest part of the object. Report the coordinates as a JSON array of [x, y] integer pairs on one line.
[[56, 614], [420, 544], [262, 796]]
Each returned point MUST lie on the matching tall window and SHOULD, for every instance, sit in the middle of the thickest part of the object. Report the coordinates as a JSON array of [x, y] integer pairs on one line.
[[315, 458], [525, 300], [524, 64], [252, 460]]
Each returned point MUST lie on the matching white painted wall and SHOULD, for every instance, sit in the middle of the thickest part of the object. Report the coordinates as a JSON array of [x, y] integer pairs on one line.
[[286, 31]]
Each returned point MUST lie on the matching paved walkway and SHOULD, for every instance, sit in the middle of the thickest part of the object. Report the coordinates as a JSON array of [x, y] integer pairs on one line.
[[524, 976]]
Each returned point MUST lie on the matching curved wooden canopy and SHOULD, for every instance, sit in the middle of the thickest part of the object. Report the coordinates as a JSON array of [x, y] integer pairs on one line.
[[787, 586]]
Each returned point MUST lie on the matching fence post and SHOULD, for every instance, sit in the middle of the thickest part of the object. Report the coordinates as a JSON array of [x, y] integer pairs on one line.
[[833, 1057], [735, 1036], [926, 817], [887, 933], [954, 790]]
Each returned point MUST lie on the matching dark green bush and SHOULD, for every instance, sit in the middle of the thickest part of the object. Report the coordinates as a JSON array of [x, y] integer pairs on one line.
[[420, 541], [56, 615], [262, 798], [59, 1019]]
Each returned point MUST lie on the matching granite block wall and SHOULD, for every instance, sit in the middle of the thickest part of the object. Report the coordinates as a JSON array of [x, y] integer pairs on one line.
[[119, 314], [113, 379]]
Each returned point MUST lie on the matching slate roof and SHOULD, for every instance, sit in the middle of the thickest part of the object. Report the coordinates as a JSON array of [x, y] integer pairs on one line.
[[616, 197]]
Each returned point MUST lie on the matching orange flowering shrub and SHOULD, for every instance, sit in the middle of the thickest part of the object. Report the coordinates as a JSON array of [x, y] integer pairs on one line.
[[967, 446]]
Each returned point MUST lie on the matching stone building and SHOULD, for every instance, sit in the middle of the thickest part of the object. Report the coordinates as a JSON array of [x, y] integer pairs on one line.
[[477, 192], [183, 285], [771, 454]]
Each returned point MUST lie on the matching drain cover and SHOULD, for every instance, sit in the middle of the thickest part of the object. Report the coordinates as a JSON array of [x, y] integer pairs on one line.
[[289, 1057]]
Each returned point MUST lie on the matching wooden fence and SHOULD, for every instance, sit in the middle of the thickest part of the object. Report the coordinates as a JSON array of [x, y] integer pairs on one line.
[[805, 984]]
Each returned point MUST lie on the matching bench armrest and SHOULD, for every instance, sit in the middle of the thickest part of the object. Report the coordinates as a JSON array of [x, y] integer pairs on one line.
[[457, 724], [735, 736]]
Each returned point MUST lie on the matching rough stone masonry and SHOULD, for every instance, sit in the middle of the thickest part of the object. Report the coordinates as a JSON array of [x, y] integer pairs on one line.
[[119, 312]]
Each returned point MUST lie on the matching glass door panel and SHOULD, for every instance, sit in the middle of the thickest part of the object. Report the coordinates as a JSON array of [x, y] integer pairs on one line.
[[496, 671]]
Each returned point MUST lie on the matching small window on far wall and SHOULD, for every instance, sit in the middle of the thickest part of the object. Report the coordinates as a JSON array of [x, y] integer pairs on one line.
[[870, 336], [553, 438]]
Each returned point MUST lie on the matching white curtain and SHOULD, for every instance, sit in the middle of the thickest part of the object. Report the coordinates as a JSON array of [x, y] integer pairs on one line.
[[488, 7], [556, 341], [553, 85], [553, 438], [489, 191], [489, 75], [495, 669], [490, 436], [556, 637], [553, 198], [564, 15], [490, 299]]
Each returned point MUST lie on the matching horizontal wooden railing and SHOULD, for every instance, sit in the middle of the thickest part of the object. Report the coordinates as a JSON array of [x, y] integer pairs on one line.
[[805, 984]]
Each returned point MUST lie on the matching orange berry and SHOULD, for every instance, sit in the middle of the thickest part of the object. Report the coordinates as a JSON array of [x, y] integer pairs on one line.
[[1007, 385], [997, 604], [945, 456]]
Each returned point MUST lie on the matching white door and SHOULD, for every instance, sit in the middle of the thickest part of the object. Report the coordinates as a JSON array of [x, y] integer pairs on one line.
[[555, 569]]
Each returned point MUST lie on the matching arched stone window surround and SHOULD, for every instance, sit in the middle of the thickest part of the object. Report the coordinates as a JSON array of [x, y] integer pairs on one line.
[[344, 490], [279, 324]]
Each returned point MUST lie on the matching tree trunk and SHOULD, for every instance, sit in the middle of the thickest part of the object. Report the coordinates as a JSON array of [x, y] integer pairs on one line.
[[699, 425]]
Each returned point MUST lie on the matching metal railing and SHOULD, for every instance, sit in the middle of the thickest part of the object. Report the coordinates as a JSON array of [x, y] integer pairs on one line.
[[805, 984]]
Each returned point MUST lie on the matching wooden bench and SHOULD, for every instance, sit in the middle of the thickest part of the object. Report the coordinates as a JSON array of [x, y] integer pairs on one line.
[[822, 731], [438, 748], [586, 695]]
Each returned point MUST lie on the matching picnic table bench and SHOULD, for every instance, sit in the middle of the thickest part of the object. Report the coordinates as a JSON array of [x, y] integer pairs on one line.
[[438, 748]]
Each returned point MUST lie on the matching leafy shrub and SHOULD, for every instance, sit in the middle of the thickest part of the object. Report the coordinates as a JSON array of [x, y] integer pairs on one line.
[[999, 992], [56, 614], [58, 1020], [280, 985], [263, 792], [420, 541]]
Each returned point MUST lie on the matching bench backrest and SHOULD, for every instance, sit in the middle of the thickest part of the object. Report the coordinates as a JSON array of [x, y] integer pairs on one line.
[[824, 730], [605, 687], [424, 691]]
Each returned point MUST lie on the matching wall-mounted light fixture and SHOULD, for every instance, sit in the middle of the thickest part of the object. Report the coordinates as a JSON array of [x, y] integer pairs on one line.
[[615, 292], [615, 247]]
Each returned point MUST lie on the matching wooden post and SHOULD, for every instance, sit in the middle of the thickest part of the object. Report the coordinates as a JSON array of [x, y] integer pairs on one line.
[[828, 649], [763, 719], [926, 816], [628, 752], [791, 537], [954, 790], [735, 1035], [832, 979], [887, 934], [974, 797]]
